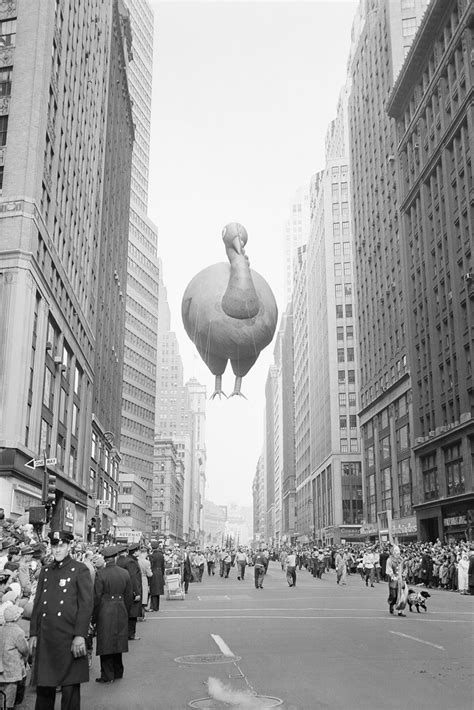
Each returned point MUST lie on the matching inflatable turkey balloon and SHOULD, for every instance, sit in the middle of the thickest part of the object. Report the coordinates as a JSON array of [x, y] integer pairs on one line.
[[229, 312]]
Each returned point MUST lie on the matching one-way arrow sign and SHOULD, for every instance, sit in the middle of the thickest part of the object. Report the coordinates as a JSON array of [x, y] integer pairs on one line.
[[35, 463]]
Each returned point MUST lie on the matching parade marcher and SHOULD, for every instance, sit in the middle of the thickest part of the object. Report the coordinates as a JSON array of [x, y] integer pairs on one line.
[[130, 563], [341, 566], [397, 587], [227, 564], [13, 656], [222, 555], [112, 601], [259, 569], [211, 562], [187, 569], [241, 561], [290, 562], [368, 563], [199, 562], [58, 628], [157, 579]]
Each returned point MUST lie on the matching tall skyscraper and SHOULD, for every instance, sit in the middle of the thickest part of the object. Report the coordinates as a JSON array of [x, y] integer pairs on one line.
[[296, 234], [141, 325], [333, 489], [55, 217], [302, 426], [433, 108], [382, 34]]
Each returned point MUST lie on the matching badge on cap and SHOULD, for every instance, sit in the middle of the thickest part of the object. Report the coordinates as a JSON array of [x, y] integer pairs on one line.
[[55, 536]]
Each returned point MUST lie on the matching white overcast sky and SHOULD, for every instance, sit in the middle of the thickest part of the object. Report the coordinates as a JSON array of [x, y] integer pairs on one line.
[[243, 93]]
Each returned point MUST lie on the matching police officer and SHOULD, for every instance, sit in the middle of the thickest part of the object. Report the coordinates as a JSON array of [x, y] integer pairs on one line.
[[130, 563], [58, 627], [112, 601]]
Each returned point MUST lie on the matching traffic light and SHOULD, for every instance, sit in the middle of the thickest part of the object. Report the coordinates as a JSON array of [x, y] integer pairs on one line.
[[51, 489]]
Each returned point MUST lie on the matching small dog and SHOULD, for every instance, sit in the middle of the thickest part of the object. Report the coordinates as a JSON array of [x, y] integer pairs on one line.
[[417, 599]]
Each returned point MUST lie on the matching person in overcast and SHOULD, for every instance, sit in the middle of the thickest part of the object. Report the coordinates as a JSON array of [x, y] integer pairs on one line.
[[112, 602], [59, 624]]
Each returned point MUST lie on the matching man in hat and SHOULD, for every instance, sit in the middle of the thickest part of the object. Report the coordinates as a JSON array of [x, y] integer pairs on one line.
[[112, 602], [58, 628], [157, 581], [130, 563]]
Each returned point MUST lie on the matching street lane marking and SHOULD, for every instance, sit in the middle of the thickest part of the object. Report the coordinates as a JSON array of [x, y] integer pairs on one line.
[[337, 608], [223, 647], [263, 618], [413, 638]]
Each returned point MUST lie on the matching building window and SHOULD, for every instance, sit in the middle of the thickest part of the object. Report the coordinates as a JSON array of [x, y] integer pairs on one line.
[[337, 269], [354, 445], [385, 447], [340, 332], [403, 438], [348, 310], [343, 422], [339, 311], [3, 130], [6, 81], [350, 354], [341, 376], [7, 33], [347, 268], [454, 470], [405, 488], [342, 399], [344, 445], [386, 480], [340, 354], [409, 26], [336, 230], [337, 249], [370, 456], [430, 477], [335, 192]]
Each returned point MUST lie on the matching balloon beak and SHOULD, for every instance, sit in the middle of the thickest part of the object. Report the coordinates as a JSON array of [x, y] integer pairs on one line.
[[237, 244]]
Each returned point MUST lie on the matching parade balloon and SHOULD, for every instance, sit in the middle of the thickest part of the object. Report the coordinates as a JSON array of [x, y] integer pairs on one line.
[[229, 312]]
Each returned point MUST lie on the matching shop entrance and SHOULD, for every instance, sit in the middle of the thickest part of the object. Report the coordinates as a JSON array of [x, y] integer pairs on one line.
[[429, 529]]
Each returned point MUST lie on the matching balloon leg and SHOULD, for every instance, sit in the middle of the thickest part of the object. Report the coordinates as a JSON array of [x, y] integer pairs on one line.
[[218, 388], [237, 392]]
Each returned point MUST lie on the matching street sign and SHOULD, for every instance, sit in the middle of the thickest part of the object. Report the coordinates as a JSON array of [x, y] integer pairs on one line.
[[36, 463]]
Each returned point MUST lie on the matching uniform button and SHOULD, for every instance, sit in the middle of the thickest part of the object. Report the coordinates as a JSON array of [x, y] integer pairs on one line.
[[72, 569], [45, 602], [59, 613], [113, 596], [64, 590], [44, 614], [61, 602]]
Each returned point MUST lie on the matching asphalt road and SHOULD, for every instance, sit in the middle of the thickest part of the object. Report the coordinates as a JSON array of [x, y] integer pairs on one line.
[[317, 646]]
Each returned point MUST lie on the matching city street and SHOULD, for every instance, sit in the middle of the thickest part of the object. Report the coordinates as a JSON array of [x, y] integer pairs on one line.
[[314, 646]]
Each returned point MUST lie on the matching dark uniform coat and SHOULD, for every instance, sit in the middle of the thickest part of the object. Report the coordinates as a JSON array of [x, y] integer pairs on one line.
[[112, 600], [62, 609], [157, 581], [133, 568]]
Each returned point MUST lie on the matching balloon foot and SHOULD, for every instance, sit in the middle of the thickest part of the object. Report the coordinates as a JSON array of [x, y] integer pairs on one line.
[[218, 393], [237, 394]]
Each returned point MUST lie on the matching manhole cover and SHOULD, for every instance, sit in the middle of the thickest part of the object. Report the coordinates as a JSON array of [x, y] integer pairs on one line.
[[261, 702], [207, 658]]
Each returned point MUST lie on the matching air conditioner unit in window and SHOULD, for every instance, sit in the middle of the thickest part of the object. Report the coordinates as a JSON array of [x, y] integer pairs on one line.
[[49, 346], [58, 359], [469, 276]]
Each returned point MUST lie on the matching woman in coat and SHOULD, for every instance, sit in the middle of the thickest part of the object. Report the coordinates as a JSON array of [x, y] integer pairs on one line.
[[145, 569], [157, 579], [112, 601]]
